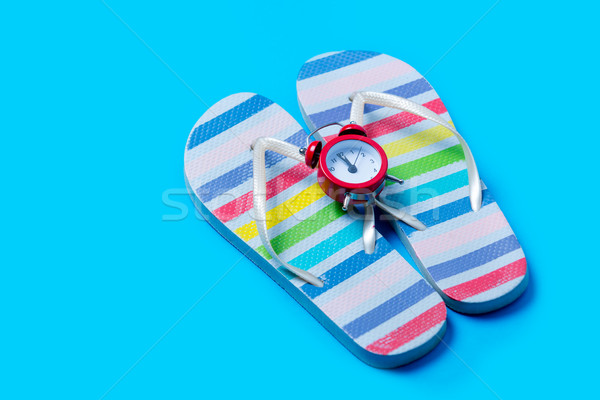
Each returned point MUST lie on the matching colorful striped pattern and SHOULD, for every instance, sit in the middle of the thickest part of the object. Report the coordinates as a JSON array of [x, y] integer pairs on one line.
[[472, 257], [377, 300]]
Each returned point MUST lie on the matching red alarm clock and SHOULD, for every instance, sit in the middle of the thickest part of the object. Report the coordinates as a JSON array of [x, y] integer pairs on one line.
[[352, 168]]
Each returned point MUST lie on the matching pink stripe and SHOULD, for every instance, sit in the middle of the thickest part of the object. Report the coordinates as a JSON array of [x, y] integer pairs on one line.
[[409, 331], [281, 182], [239, 144], [402, 120], [366, 289], [398, 121], [489, 281], [351, 83], [460, 236]]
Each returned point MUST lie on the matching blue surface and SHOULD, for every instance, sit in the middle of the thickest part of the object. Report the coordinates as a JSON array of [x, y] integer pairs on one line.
[[101, 280]]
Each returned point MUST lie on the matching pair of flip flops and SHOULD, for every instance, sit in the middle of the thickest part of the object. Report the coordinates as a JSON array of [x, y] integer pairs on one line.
[[278, 215]]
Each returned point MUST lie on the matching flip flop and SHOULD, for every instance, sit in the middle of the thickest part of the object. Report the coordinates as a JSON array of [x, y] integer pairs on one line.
[[375, 304], [468, 252]]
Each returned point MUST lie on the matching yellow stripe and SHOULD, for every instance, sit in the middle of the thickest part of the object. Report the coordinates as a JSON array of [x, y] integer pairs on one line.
[[283, 211], [417, 141]]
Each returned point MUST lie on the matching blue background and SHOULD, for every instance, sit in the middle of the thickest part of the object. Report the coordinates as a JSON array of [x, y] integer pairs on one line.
[[101, 296]]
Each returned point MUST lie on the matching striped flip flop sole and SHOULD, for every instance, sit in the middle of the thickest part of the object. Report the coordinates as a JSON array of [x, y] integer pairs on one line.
[[376, 305], [473, 259]]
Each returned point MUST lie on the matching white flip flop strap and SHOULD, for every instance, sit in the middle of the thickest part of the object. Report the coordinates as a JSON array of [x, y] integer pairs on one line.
[[260, 197], [388, 100]]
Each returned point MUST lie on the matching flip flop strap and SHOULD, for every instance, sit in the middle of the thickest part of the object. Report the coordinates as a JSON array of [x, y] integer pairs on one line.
[[359, 99], [260, 146]]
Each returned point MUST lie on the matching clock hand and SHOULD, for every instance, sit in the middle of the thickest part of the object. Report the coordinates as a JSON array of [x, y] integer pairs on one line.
[[359, 150], [344, 159], [351, 168]]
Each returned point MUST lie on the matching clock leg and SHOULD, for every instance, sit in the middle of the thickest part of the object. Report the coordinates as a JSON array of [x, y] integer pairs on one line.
[[369, 232], [346, 203]]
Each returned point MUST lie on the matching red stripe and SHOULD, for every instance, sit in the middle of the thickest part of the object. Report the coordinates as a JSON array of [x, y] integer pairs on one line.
[[399, 121], [402, 120], [237, 207], [409, 331], [488, 281]]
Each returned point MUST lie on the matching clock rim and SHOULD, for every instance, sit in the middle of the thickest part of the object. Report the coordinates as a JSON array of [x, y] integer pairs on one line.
[[371, 184]]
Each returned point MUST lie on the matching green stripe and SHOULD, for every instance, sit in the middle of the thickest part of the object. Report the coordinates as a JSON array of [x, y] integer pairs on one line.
[[304, 229], [428, 163], [263, 252]]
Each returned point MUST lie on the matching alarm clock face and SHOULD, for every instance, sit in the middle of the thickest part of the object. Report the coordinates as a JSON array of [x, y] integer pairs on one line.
[[353, 161]]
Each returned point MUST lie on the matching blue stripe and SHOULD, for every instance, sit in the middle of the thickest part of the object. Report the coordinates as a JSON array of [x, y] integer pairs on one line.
[[431, 189], [333, 62], [241, 174], [228, 119], [447, 212], [475, 258], [347, 269], [341, 113], [411, 89], [389, 309], [326, 248], [336, 114]]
